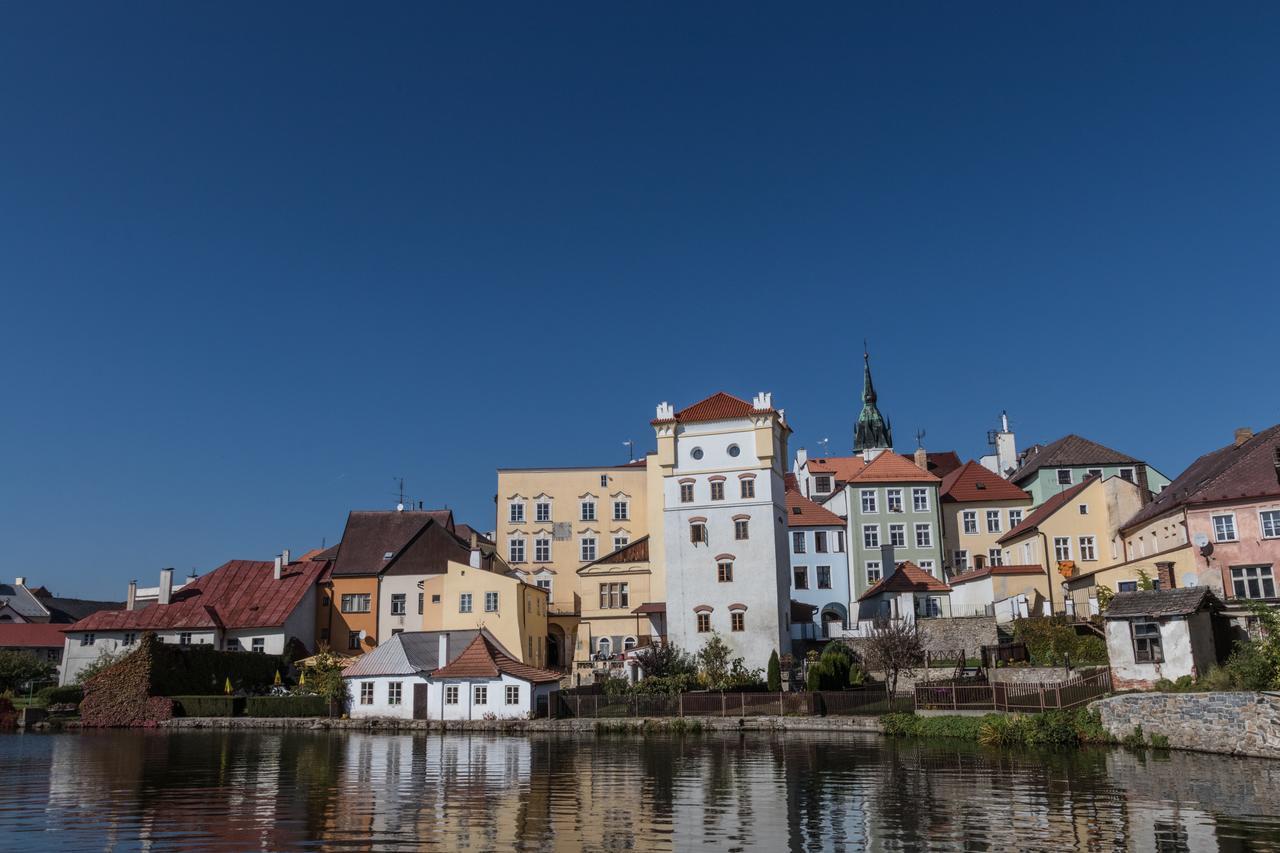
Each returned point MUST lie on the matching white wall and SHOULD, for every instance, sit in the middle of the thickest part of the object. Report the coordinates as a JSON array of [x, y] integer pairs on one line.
[[381, 707], [496, 704], [1175, 638], [972, 597], [412, 620]]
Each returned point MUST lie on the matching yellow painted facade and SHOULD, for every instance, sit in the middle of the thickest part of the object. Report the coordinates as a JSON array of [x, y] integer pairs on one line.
[[513, 611], [1084, 587], [984, 540]]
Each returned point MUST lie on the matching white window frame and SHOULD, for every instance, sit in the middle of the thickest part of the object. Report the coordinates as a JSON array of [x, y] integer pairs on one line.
[[869, 501], [399, 603], [1015, 518], [258, 644], [995, 557], [969, 522], [587, 510], [1235, 531], [926, 528], [451, 694], [513, 694], [876, 566], [395, 692], [621, 541], [993, 521], [893, 500], [515, 512], [366, 693], [515, 549], [479, 694], [542, 550], [622, 510], [1061, 546], [920, 499], [927, 566], [542, 511], [870, 532], [898, 535], [465, 602], [490, 602], [960, 559], [1273, 516], [1088, 549], [587, 548]]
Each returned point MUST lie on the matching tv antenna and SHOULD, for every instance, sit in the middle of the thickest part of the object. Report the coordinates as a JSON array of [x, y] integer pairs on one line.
[[919, 438], [631, 450], [400, 502]]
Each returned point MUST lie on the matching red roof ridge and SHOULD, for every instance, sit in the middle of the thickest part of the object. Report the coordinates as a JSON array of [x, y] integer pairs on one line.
[[483, 658], [803, 512], [1048, 508], [907, 577], [890, 467], [962, 485]]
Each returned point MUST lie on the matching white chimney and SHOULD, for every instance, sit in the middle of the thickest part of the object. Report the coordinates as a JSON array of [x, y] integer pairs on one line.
[[284, 556], [279, 564], [442, 657], [19, 581], [132, 598], [166, 586]]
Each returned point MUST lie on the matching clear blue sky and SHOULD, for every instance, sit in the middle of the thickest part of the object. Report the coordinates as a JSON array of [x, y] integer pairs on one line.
[[259, 259]]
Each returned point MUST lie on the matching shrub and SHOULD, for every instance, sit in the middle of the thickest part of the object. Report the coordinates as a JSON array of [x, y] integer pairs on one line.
[[208, 706], [1135, 739], [665, 660], [1049, 640], [775, 673], [1052, 728], [17, 668], [286, 706], [1159, 741], [105, 659], [1249, 668], [71, 694]]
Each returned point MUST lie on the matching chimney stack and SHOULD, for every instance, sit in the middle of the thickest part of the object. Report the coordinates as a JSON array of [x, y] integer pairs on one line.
[[922, 460], [284, 556], [442, 657], [1243, 434], [887, 562], [166, 586], [1164, 574], [132, 598], [278, 566], [19, 581]]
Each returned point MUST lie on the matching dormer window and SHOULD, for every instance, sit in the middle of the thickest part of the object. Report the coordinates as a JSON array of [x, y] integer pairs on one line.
[[822, 484]]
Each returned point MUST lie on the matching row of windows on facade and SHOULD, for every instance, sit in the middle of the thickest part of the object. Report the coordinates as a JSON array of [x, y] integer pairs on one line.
[[898, 535], [1065, 475], [746, 490], [874, 569], [362, 602], [586, 511], [737, 621], [969, 520], [869, 500], [479, 693], [823, 542], [1224, 526], [185, 638], [800, 576], [698, 534], [587, 548]]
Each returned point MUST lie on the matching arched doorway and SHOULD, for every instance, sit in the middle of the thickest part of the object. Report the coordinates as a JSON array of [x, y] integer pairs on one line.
[[555, 646], [604, 648], [833, 619]]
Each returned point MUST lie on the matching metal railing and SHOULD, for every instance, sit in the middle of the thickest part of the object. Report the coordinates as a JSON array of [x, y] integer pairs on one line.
[[1063, 695]]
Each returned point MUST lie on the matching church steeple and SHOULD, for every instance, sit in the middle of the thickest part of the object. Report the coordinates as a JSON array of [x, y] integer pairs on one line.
[[872, 432]]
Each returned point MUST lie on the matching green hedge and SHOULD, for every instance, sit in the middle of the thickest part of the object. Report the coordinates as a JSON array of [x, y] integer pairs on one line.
[[203, 670], [209, 706], [1051, 639], [286, 706], [71, 694]]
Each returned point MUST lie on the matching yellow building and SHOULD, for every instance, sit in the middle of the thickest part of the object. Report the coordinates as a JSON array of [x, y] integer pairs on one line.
[[620, 610], [466, 597], [1074, 532], [553, 521], [978, 507]]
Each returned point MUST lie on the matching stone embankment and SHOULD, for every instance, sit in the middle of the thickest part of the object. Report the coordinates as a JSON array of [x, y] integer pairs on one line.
[[580, 724], [1228, 723]]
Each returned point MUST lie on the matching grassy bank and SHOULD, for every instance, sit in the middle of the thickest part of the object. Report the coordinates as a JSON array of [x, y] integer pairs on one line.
[[1052, 728]]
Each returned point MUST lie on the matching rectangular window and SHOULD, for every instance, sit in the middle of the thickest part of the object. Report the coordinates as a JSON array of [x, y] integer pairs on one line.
[[542, 550], [697, 533], [797, 542], [1015, 518], [1126, 474], [1224, 528], [1269, 521], [435, 598], [970, 521], [614, 596], [1084, 509], [394, 693], [1146, 643], [588, 510], [451, 694], [820, 541], [1127, 586], [717, 490], [724, 571], [869, 500], [356, 602], [874, 572], [1088, 550], [822, 484], [741, 529], [704, 623], [490, 602], [961, 560], [920, 500], [748, 488], [893, 499], [1064, 476], [824, 577], [801, 574], [926, 566], [621, 511], [130, 639], [588, 548], [513, 694], [1094, 472], [353, 640], [993, 521], [1061, 548], [516, 512], [366, 693], [480, 694], [464, 602], [1026, 553], [995, 557], [184, 638], [871, 536], [542, 511], [686, 493], [420, 597], [839, 541], [898, 535], [258, 644], [604, 481], [232, 644], [621, 541], [397, 604], [545, 583], [924, 535], [1253, 582], [737, 621]]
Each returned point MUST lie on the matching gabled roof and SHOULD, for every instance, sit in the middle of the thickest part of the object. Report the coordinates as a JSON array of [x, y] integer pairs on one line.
[[237, 594], [802, 512], [718, 407], [841, 467], [971, 482], [632, 552], [464, 532], [23, 602], [1046, 509], [1228, 473], [943, 462], [411, 653], [1070, 451], [31, 635], [989, 570], [484, 658], [892, 468], [907, 577], [1155, 603], [371, 535], [66, 610]]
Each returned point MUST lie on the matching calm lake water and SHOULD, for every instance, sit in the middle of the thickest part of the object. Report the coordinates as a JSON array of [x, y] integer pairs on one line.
[[198, 791]]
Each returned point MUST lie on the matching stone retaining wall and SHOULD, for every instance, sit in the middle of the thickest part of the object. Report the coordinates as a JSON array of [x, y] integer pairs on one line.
[[1230, 723], [1038, 674]]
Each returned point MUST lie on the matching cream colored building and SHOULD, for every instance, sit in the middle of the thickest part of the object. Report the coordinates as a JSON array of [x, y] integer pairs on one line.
[[1073, 531], [978, 507], [466, 597], [553, 521]]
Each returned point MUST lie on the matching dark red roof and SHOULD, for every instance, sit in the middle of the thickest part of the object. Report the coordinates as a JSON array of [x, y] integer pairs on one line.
[[371, 535], [31, 635], [801, 612], [1068, 452], [1048, 508], [908, 577], [841, 467], [651, 607], [972, 482], [718, 407], [988, 570], [484, 659], [802, 512], [237, 594]]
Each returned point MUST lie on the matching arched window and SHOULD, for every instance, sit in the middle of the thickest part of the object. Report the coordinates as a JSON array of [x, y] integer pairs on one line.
[[628, 644], [604, 647]]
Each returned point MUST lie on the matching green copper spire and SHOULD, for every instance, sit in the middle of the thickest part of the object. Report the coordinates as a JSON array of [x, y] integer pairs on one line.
[[873, 431]]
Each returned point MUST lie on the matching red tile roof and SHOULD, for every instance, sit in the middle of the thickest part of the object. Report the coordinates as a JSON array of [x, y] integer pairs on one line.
[[802, 512], [237, 594], [650, 607], [892, 468], [943, 462], [31, 635], [1046, 509], [972, 482], [908, 577], [484, 659], [842, 467], [988, 570], [718, 407]]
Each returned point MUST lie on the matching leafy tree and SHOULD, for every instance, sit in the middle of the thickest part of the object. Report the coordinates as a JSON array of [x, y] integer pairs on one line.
[[895, 646], [104, 659], [775, 673], [665, 660], [715, 663], [17, 668], [835, 669], [1104, 596], [1144, 580], [324, 678]]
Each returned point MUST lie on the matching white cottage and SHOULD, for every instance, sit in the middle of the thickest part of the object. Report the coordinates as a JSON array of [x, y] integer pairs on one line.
[[1160, 633]]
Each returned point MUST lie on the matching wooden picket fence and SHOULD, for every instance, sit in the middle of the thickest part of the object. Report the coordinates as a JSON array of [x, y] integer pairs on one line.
[[971, 696]]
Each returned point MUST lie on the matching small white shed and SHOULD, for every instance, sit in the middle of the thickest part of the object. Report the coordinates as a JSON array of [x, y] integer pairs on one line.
[[1160, 633], [392, 680], [486, 682]]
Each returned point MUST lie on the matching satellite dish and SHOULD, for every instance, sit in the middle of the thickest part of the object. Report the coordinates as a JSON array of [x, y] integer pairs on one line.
[[1200, 539]]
